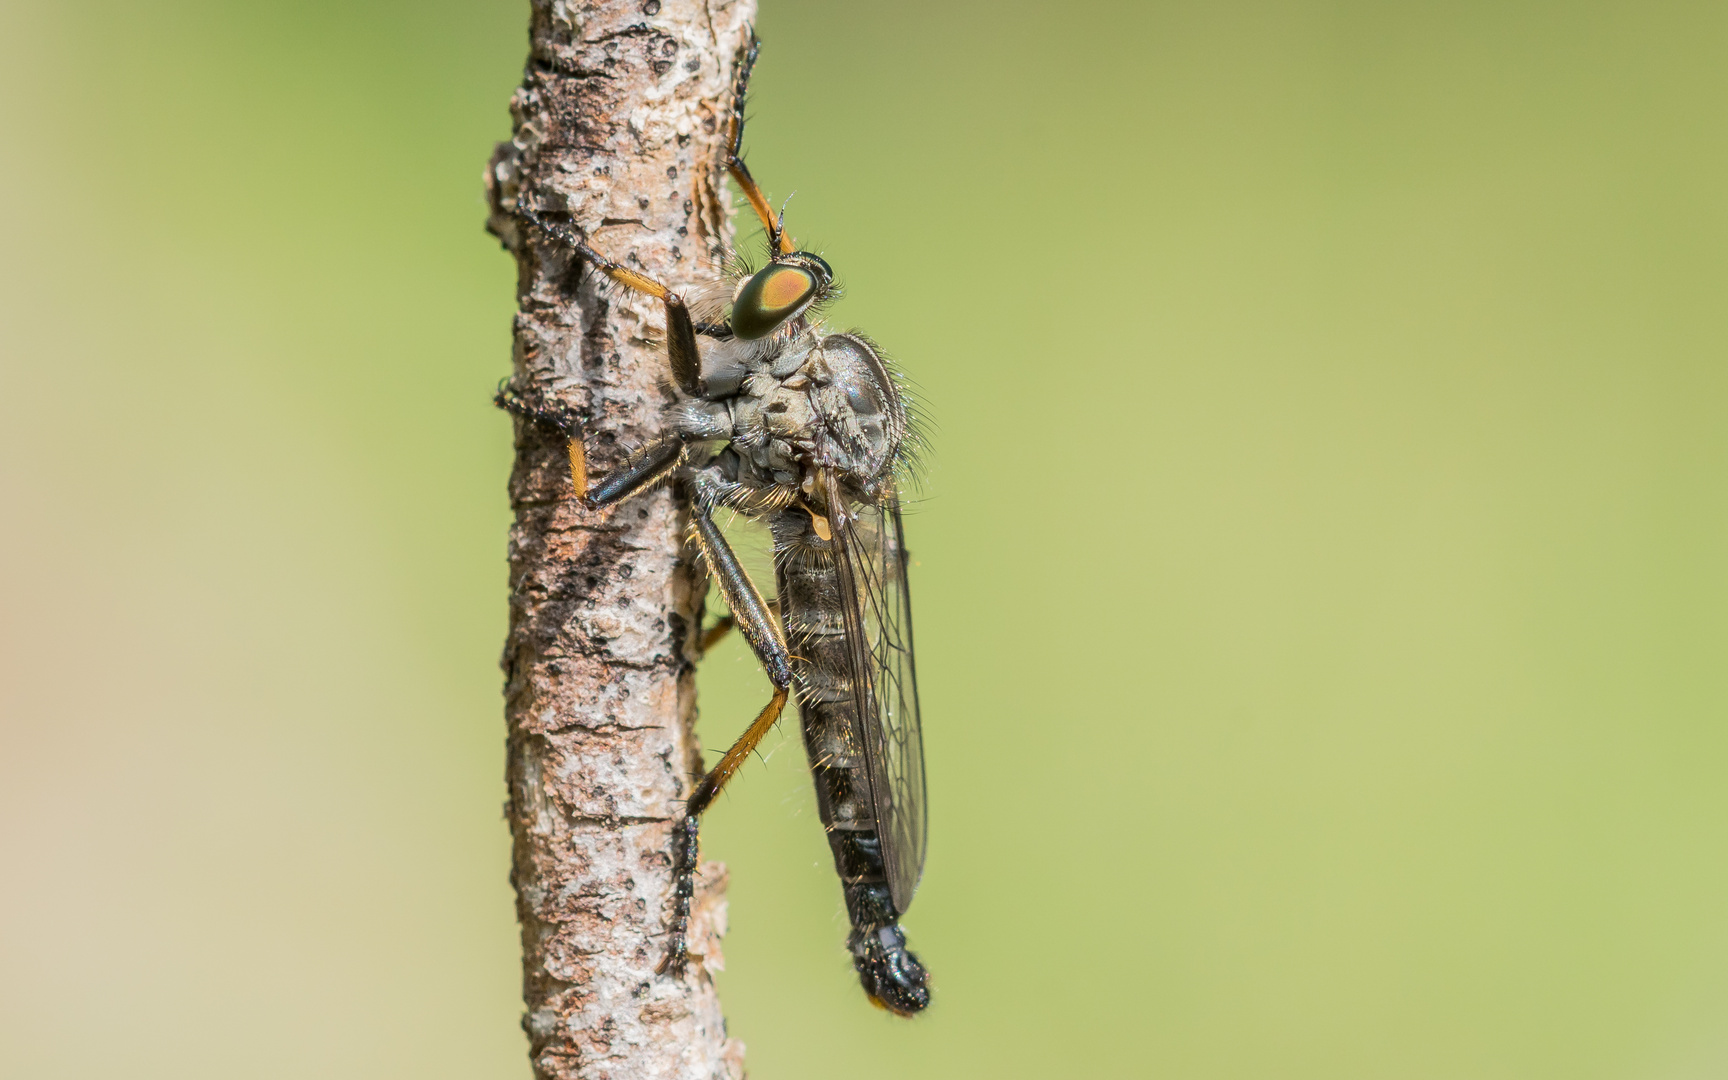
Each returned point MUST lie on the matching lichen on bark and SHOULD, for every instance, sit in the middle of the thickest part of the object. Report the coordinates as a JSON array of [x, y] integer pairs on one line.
[[620, 123]]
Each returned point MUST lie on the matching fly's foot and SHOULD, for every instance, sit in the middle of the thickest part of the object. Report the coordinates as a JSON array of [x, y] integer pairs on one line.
[[677, 958], [685, 853], [534, 407]]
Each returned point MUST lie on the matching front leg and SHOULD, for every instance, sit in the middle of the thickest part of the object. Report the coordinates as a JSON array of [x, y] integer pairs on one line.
[[681, 352], [641, 471]]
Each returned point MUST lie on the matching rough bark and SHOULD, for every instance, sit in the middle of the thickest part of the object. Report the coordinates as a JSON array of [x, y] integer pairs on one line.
[[619, 121]]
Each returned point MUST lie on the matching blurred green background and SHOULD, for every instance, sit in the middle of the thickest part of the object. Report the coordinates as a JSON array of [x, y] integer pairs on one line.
[[1322, 589]]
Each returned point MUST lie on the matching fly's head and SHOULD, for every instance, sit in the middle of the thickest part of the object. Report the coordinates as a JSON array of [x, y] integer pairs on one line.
[[861, 411], [780, 292]]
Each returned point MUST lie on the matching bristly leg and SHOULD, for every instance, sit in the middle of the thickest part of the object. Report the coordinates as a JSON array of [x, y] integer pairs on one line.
[[534, 407], [681, 352], [556, 415], [757, 623], [685, 854], [686, 850], [778, 242]]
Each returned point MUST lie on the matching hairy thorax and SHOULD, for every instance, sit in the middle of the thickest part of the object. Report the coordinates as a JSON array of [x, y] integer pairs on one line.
[[802, 401]]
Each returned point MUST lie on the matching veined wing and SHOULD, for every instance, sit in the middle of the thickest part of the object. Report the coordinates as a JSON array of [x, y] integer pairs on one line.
[[870, 559]]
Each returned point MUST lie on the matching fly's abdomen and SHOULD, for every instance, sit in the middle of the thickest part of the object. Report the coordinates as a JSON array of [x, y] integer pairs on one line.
[[816, 637]]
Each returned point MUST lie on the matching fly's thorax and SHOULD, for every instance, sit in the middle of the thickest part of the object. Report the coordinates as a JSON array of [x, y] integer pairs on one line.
[[811, 401], [774, 424], [702, 420], [728, 362]]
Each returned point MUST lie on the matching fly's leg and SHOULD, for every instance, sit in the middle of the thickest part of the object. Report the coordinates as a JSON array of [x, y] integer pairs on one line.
[[554, 415], [722, 626], [645, 468], [681, 351], [778, 242], [761, 628]]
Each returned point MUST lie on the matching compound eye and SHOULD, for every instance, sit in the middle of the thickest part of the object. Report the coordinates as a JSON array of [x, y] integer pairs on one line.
[[771, 296]]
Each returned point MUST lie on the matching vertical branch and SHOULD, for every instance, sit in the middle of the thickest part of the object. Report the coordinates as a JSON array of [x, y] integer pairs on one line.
[[619, 123]]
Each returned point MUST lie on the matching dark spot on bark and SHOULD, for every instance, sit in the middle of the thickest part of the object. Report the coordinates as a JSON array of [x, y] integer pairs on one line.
[[693, 64], [683, 230], [661, 67], [669, 47], [652, 7], [671, 172], [689, 206], [642, 202], [642, 515], [626, 571], [708, 124]]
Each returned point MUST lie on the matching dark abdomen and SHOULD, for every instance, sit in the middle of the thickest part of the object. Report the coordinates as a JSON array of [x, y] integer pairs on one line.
[[810, 606]]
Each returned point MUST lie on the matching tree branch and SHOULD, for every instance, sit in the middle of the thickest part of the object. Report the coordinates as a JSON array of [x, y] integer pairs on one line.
[[619, 122]]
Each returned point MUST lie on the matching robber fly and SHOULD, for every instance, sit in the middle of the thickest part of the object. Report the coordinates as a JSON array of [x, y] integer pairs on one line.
[[808, 431]]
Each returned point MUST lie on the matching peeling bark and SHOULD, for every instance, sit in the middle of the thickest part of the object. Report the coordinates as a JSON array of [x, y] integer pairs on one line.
[[620, 122]]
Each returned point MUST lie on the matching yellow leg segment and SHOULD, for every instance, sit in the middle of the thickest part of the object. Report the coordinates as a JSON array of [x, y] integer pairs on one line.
[[734, 759], [579, 468]]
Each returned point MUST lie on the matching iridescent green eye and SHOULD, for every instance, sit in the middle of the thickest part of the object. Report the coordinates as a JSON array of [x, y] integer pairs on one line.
[[771, 296]]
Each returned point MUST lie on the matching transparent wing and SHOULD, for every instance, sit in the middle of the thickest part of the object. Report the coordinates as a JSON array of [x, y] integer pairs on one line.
[[870, 545]]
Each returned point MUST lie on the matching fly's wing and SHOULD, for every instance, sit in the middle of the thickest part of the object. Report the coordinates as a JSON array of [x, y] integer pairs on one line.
[[870, 558]]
